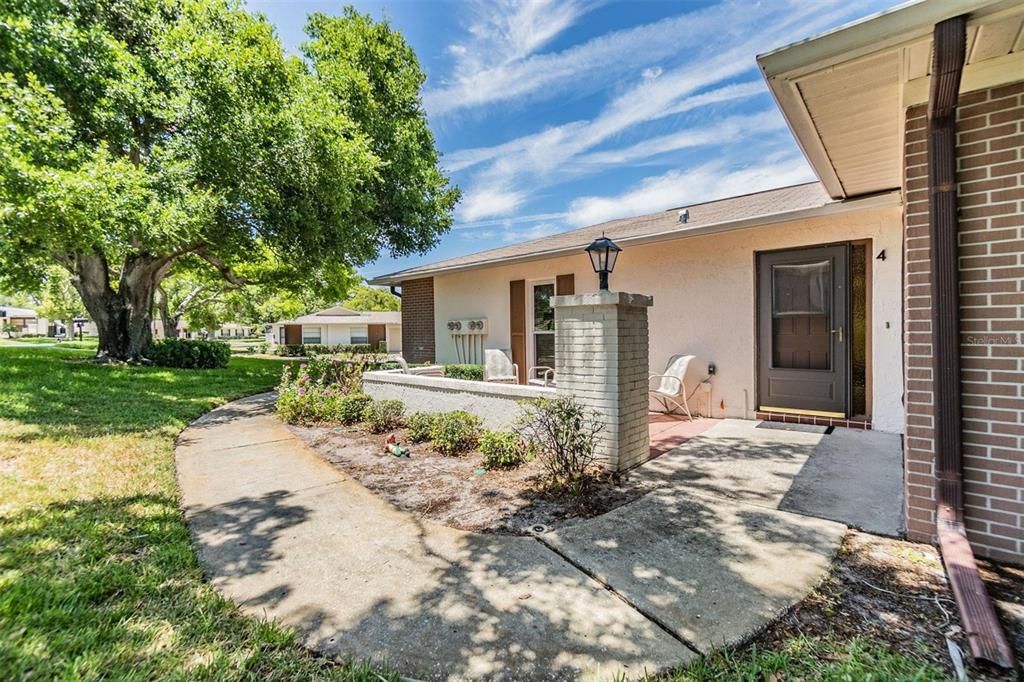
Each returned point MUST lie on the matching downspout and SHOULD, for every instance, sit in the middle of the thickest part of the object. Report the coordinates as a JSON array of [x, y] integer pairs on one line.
[[981, 624], [395, 291]]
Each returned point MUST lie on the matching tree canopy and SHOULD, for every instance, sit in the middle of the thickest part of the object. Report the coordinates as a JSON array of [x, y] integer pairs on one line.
[[136, 133], [367, 298]]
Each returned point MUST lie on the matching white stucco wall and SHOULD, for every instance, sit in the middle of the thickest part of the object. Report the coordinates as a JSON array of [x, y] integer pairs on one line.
[[496, 404], [341, 334], [704, 301]]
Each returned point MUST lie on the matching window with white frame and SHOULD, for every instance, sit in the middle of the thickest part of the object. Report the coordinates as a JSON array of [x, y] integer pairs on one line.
[[311, 334], [359, 335]]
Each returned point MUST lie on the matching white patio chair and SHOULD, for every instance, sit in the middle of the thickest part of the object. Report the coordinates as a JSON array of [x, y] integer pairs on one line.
[[498, 366], [673, 385], [541, 376]]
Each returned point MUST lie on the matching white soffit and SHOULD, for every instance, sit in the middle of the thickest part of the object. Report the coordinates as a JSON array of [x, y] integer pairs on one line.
[[844, 93]]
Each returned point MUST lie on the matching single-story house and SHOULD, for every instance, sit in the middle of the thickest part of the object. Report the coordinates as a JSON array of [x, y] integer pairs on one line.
[[25, 319], [887, 295], [340, 326]]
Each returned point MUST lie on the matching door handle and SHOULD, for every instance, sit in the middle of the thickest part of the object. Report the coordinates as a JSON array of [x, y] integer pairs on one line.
[[839, 331]]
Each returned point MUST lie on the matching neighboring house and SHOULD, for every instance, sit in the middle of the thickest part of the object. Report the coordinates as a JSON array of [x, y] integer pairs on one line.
[[814, 301], [234, 330], [339, 326], [25, 319]]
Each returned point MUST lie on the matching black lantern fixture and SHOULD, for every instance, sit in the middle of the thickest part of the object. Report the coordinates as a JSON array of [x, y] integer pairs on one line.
[[79, 325], [603, 253]]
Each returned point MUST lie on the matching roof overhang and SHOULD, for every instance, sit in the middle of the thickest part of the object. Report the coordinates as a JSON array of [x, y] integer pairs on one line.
[[844, 93], [888, 199]]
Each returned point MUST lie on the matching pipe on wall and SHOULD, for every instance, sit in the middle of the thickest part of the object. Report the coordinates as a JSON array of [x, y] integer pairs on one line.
[[985, 636]]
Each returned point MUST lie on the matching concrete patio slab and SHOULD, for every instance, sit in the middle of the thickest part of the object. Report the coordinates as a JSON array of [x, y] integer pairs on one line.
[[848, 475], [288, 537], [712, 570], [855, 477]]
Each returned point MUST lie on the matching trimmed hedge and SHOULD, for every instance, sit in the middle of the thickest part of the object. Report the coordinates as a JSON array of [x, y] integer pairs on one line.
[[468, 372], [189, 354], [305, 350]]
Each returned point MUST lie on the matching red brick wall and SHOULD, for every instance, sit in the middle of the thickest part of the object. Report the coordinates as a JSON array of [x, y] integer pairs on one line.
[[418, 320], [990, 183]]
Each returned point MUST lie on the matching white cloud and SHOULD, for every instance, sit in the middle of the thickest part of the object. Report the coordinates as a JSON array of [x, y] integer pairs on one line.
[[487, 202], [652, 72], [680, 187], [719, 133], [501, 33], [720, 50], [502, 66], [506, 222]]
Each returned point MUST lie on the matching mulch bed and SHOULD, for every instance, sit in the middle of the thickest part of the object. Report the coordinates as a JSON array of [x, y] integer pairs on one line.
[[895, 593], [457, 491]]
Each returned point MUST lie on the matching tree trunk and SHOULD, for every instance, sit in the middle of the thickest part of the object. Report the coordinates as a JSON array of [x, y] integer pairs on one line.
[[122, 315], [167, 321]]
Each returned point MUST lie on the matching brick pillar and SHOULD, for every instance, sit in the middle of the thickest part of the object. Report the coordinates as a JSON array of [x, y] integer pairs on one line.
[[601, 357], [418, 319]]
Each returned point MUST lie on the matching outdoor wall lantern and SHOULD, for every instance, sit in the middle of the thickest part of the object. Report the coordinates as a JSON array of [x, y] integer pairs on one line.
[[79, 325], [603, 253]]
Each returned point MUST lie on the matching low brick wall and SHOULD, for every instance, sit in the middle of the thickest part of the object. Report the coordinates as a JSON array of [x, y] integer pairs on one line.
[[496, 404]]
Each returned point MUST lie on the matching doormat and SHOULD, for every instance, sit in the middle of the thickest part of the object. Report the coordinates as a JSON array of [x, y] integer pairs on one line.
[[806, 428]]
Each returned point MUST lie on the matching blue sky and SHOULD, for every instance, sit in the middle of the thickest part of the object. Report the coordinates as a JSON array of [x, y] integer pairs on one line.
[[556, 114]]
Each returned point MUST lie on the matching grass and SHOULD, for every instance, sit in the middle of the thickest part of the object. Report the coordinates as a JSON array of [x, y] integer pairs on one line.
[[809, 658], [98, 578]]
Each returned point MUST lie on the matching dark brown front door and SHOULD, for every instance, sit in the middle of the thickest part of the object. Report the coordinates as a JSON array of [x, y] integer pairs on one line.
[[293, 334], [803, 330], [377, 334]]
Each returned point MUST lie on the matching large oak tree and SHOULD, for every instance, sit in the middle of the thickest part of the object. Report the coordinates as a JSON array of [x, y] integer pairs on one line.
[[134, 133]]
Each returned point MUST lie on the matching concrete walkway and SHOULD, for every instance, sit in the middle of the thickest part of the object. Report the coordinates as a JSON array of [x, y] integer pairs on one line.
[[287, 536]]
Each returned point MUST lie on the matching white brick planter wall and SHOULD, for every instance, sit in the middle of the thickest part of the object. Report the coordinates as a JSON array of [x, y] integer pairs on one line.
[[601, 357], [497, 404]]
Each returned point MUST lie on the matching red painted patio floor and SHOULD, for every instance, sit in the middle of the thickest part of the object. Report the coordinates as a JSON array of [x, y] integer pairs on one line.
[[671, 431]]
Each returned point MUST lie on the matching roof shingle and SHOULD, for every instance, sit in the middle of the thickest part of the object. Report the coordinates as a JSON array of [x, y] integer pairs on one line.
[[703, 215]]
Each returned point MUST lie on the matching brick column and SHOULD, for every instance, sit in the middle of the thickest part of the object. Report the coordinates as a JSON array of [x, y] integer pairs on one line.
[[601, 357]]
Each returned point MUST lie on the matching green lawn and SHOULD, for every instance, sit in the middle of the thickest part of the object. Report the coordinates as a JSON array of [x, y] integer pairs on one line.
[[97, 574]]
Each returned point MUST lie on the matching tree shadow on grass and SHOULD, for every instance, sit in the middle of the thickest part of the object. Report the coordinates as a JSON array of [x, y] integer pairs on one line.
[[110, 588]]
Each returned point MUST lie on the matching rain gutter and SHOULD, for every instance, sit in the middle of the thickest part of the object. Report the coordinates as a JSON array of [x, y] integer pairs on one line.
[[985, 636]]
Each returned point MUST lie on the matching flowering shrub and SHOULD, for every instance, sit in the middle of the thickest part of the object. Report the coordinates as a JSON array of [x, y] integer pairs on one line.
[[311, 397]]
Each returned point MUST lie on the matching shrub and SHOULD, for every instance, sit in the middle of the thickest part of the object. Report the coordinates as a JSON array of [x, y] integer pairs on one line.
[[352, 407], [190, 354], [383, 415], [565, 436], [329, 369], [453, 433], [419, 425], [503, 449], [469, 372]]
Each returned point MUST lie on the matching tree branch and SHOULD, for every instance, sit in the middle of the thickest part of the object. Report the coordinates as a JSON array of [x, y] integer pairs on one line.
[[223, 268]]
